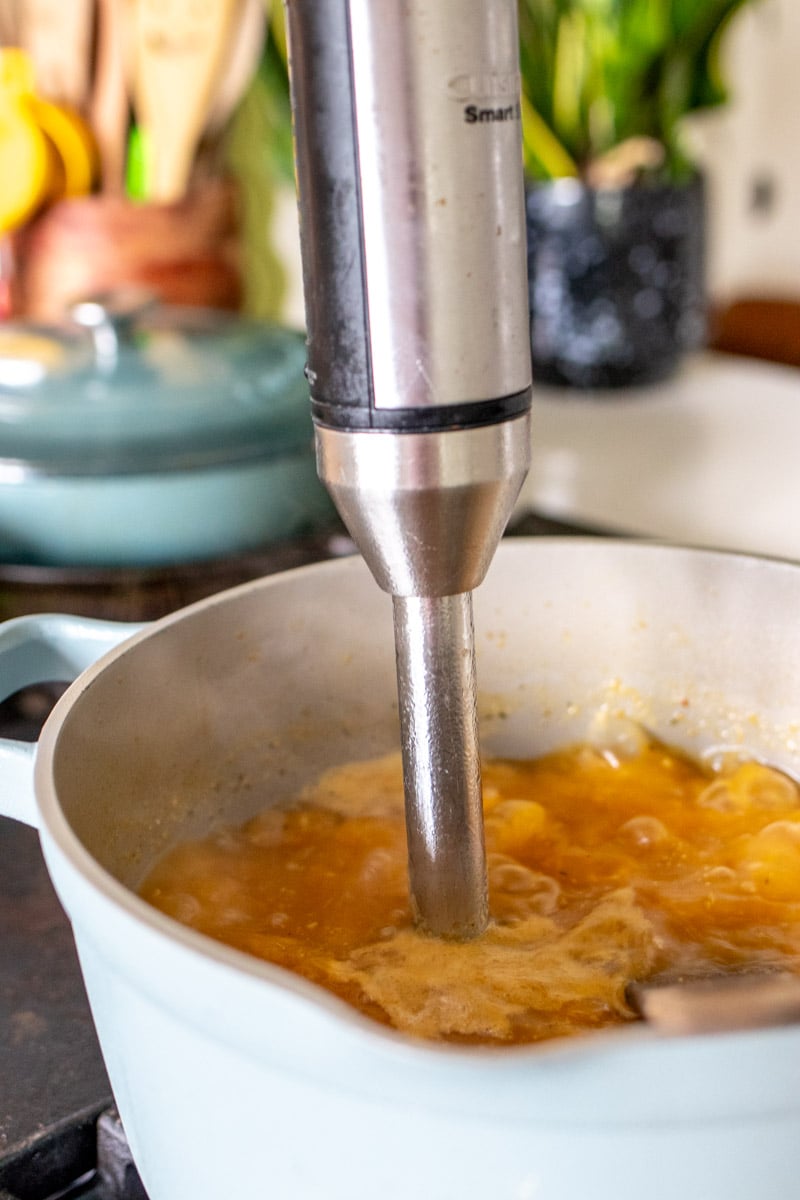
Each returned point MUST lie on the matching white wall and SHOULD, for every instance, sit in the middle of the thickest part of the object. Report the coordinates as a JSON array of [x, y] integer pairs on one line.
[[752, 147]]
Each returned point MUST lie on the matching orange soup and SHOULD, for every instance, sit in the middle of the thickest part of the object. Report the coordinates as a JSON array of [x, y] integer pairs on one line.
[[603, 869]]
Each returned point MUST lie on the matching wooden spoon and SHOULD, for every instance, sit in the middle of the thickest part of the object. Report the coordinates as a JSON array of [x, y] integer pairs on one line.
[[58, 36], [109, 107], [179, 49], [244, 55], [751, 998], [9, 22]]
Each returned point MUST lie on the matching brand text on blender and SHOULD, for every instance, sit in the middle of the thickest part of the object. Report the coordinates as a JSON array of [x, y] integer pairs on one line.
[[473, 115]]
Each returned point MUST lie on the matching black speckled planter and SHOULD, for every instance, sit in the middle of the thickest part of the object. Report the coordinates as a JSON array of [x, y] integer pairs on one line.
[[616, 281]]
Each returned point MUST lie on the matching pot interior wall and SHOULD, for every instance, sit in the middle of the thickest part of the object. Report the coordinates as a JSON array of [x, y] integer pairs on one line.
[[233, 707], [238, 702]]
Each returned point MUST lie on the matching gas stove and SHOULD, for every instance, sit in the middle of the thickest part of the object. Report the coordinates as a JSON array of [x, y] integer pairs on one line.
[[60, 1136]]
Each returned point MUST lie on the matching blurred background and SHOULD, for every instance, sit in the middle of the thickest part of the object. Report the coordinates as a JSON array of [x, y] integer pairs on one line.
[[225, 116], [750, 150], [151, 313]]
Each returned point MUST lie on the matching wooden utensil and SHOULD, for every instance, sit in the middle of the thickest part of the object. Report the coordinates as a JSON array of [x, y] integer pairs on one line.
[[58, 36], [9, 22], [109, 108], [244, 55], [719, 1003], [179, 50]]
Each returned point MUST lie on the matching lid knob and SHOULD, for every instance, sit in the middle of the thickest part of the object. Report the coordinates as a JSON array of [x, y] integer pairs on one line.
[[109, 318]]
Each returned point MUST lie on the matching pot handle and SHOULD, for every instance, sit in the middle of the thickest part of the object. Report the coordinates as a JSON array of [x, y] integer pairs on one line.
[[41, 649]]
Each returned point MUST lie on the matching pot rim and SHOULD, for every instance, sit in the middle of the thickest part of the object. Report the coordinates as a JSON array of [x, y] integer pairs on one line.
[[259, 453], [65, 851]]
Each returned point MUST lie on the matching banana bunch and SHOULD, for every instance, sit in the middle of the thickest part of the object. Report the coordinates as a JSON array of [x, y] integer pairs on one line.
[[47, 150]]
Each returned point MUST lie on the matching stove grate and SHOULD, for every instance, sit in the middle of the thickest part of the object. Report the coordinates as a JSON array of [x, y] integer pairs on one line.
[[87, 1159]]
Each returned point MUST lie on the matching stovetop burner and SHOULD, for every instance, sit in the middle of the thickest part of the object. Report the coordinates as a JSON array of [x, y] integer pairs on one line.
[[60, 1137], [145, 593], [86, 1159]]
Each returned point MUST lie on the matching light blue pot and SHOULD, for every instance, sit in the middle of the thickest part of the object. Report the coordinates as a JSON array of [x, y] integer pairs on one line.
[[235, 1077], [152, 436]]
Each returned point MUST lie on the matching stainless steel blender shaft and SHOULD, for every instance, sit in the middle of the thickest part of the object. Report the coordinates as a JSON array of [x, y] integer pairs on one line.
[[435, 647]]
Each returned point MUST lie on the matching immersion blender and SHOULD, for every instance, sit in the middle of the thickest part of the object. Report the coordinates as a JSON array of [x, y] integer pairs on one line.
[[412, 224]]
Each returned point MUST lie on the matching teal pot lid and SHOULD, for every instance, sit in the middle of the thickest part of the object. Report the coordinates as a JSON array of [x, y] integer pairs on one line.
[[128, 386]]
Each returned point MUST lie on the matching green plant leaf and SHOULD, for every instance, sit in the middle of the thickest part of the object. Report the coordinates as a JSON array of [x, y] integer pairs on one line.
[[544, 155], [599, 72]]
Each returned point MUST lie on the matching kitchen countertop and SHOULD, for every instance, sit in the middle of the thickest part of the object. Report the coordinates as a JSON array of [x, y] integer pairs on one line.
[[711, 457]]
